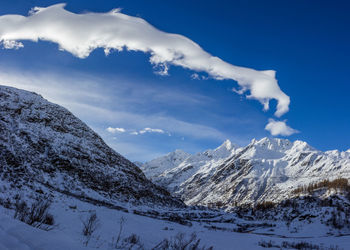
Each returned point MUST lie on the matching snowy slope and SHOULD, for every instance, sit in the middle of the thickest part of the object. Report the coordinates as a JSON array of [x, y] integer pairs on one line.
[[264, 170], [218, 231], [43, 145]]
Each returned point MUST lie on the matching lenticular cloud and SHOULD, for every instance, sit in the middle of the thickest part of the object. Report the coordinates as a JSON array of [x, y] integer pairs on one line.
[[80, 34]]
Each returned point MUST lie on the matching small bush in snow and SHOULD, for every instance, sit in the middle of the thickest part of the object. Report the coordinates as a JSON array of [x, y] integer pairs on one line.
[[295, 245], [37, 215], [268, 244], [21, 209], [90, 224], [180, 241], [132, 242]]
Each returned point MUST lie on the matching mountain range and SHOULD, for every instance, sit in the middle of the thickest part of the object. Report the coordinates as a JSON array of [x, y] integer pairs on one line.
[[269, 169]]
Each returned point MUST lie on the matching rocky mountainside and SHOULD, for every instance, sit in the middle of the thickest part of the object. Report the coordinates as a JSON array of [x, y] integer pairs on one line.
[[264, 170], [44, 146]]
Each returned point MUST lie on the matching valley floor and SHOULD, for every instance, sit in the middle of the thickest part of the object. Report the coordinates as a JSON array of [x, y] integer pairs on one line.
[[69, 214]]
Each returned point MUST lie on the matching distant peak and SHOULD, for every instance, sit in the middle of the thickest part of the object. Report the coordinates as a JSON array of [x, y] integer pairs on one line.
[[179, 152], [227, 145], [301, 145], [267, 140]]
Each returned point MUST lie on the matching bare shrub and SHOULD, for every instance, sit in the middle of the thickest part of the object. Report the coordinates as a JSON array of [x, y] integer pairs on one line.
[[180, 241], [268, 244], [38, 212], [131, 242], [121, 226], [90, 225], [295, 245], [21, 210], [37, 215]]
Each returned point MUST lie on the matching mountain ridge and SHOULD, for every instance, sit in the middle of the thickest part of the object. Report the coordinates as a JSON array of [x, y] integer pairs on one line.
[[268, 169]]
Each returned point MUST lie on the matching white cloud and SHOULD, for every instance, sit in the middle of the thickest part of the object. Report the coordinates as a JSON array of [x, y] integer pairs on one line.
[[134, 133], [80, 34], [10, 44], [151, 130], [280, 128], [116, 130]]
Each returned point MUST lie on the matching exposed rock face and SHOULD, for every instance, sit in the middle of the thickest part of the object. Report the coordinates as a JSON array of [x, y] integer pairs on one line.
[[264, 170], [42, 143]]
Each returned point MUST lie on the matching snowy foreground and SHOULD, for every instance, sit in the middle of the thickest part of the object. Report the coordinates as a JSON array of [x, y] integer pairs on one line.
[[69, 214]]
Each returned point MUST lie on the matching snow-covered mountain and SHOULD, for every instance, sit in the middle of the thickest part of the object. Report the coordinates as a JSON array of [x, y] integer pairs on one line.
[[265, 170], [44, 146], [159, 165]]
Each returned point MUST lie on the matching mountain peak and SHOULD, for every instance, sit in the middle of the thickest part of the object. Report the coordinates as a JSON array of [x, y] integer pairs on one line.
[[224, 150], [179, 151], [177, 155], [272, 143], [302, 146], [163, 163], [227, 144]]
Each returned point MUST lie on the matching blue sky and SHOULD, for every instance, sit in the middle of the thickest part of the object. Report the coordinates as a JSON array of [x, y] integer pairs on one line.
[[305, 42]]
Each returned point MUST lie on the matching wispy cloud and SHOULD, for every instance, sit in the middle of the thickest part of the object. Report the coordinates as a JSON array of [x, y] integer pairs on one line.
[[88, 101], [280, 128], [109, 107], [152, 130], [115, 130], [130, 119], [77, 87], [117, 31], [133, 132]]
